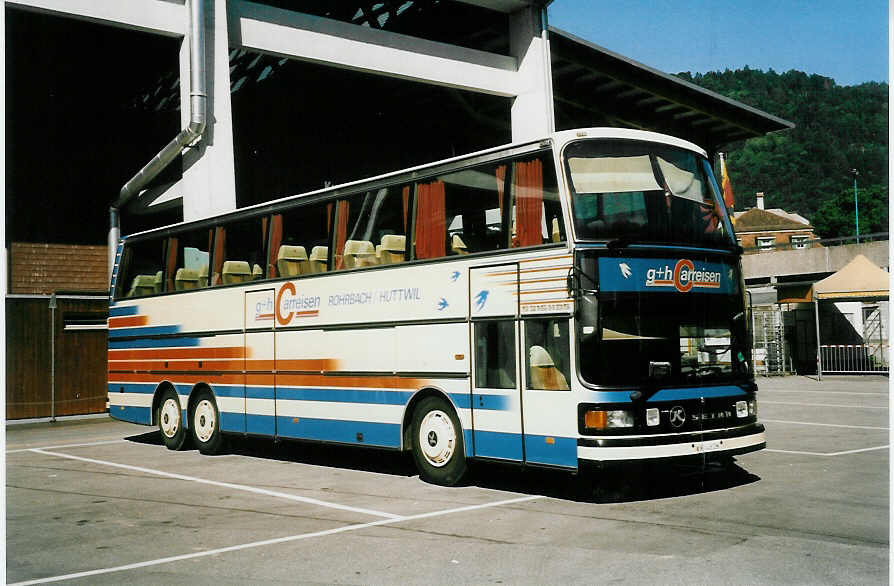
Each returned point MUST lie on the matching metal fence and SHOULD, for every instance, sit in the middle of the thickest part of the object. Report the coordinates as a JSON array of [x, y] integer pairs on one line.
[[854, 358]]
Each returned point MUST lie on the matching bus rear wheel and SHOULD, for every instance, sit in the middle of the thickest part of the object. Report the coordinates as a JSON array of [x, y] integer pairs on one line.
[[438, 443], [170, 421], [205, 424]]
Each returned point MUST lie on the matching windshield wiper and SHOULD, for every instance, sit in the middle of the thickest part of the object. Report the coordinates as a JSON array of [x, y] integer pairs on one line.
[[621, 242]]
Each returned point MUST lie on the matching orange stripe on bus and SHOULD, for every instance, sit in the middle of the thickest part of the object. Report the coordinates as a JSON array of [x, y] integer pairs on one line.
[[133, 320], [297, 380], [175, 353]]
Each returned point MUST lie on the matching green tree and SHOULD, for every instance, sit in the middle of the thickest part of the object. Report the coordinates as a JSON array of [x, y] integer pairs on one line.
[[836, 215]]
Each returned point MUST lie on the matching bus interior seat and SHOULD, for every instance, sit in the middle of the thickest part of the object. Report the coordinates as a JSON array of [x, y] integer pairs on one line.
[[544, 375], [319, 259], [394, 247], [157, 283], [291, 260], [555, 233], [457, 246], [256, 272], [142, 285], [186, 279], [203, 276], [236, 271], [359, 253]]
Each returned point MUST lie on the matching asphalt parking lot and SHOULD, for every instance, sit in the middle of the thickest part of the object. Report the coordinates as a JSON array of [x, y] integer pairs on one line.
[[98, 501]]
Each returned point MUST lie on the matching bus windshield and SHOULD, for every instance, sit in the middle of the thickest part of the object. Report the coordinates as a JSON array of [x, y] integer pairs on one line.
[[644, 192]]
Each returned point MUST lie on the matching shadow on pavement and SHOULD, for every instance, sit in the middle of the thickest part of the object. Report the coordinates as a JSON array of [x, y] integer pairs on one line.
[[615, 484]]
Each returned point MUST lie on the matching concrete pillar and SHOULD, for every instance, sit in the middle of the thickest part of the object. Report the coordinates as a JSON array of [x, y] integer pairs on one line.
[[532, 108], [209, 181]]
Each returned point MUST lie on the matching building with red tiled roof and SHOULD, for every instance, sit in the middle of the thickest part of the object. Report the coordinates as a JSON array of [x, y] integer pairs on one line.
[[762, 229], [49, 268]]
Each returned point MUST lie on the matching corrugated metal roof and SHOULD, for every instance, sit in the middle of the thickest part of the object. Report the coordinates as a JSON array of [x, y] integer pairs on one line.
[[594, 86]]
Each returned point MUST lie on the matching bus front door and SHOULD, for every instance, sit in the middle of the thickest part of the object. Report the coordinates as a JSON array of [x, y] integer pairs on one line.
[[496, 397], [259, 390]]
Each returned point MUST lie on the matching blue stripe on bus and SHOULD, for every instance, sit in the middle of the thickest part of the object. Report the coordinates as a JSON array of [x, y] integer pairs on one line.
[[144, 388], [139, 415], [561, 452], [154, 343], [695, 393], [498, 444], [237, 391], [375, 397], [121, 311], [332, 430], [236, 422], [143, 331]]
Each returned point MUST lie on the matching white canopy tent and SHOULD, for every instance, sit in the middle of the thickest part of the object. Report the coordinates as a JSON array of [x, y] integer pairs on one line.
[[858, 280]]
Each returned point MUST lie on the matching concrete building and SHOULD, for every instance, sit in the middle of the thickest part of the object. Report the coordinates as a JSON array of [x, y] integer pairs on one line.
[[277, 97]]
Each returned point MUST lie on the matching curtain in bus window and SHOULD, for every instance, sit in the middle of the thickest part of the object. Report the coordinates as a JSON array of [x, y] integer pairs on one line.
[[275, 243], [220, 247], [501, 187], [528, 203], [171, 265], [431, 223], [341, 233]]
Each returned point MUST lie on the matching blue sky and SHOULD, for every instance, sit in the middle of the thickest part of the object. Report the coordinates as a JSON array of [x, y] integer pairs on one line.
[[844, 40]]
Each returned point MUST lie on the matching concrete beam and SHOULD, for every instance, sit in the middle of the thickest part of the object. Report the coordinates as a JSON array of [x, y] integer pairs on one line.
[[321, 40], [154, 16], [532, 110], [811, 261]]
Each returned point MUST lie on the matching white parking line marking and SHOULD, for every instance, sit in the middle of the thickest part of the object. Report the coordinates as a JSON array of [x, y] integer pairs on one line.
[[67, 446], [826, 392], [822, 424], [829, 453], [820, 405], [242, 487], [274, 541]]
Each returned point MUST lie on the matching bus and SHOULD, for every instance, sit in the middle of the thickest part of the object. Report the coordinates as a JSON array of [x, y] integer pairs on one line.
[[565, 302]]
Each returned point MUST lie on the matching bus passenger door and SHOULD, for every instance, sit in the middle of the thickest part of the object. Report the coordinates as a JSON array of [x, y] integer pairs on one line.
[[259, 385], [496, 397]]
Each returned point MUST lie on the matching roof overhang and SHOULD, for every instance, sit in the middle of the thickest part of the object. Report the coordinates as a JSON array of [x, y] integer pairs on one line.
[[595, 84]]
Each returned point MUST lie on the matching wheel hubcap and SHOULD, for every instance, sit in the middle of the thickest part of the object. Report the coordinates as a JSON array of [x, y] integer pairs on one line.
[[170, 418], [203, 420], [437, 438]]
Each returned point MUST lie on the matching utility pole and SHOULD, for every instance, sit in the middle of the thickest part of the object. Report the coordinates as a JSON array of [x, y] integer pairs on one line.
[[854, 172]]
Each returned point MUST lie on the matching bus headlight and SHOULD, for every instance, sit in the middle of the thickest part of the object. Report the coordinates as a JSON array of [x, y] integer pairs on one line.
[[752, 407], [653, 417], [598, 419], [741, 409]]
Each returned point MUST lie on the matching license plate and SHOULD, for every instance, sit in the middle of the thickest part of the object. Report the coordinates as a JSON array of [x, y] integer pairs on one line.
[[709, 446]]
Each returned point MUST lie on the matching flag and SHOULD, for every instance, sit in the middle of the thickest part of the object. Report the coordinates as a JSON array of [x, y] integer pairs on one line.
[[726, 186]]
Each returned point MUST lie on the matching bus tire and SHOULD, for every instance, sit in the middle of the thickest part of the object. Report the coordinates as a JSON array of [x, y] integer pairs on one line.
[[438, 442], [170, 420], [205, 424]]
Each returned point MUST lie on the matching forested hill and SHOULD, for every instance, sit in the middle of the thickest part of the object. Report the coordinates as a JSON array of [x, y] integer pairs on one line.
[[807, 169]]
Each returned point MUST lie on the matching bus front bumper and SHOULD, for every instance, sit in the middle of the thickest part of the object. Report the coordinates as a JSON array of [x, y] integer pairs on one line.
[[715, 443]]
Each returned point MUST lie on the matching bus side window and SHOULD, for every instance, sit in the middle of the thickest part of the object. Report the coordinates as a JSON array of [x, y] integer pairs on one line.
[[495, 354], [299, 240], [547, 356], [462, 212], [536, 211], [142, 269], [371, 228], [186, 265], [239, 252]]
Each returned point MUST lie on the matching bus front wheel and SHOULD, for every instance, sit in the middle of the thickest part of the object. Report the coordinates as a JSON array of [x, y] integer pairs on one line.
[[438, 442], [170, 421], [205, 424]]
